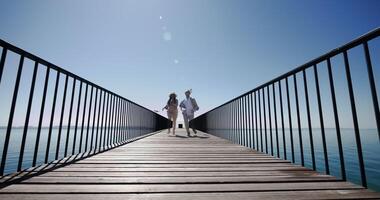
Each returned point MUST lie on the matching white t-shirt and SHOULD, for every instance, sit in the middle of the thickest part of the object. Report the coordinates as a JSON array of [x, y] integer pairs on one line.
[[189, 107]]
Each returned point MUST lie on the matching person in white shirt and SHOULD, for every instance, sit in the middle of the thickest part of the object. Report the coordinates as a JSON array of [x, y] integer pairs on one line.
[[188, 107]]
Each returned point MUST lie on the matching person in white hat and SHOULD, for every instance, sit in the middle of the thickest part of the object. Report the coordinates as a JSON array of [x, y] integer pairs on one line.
[[188, 107]]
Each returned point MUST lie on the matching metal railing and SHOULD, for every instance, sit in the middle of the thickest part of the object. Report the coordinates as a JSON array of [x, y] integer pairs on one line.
[[91, 118], [252, 117]]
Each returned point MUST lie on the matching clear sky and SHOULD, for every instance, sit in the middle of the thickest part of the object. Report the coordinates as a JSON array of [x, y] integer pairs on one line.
[[143, 50]]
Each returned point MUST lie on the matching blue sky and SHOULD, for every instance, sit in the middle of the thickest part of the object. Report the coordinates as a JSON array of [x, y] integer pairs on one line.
[[143, 50]]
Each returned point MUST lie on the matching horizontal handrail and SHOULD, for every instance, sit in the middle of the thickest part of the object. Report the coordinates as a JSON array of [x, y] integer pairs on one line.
[[42, 61], [366, 37]]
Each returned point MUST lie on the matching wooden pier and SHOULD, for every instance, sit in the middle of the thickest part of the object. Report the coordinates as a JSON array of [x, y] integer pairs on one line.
[[178, 167]]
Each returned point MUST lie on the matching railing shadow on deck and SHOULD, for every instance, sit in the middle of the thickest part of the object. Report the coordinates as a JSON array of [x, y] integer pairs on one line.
[[253, 116], [94, 122], [45, 168]]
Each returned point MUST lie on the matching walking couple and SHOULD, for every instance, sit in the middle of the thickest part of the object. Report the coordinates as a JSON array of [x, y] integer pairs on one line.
[[188, 106]]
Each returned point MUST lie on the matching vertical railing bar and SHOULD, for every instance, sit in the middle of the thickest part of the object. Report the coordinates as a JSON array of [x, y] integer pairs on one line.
[[336, 119], [256, 124], [129, 122], [325, 154], [355, 120], [133, 121], [61, 119], [42, 109], [261, 128], [27, 117], [270, 122], [246, 121], [265, 122], [290, 118], [238, 121], [249, 99], [373, 86], [106, 121], [242, 121], [233, 121], [122, 121], [230, 121], [117, 125], [117, 138], [70, 115], [97, 122], [83, 118], [115, 121], [112, 121], [275, 118], [2, 62], [309, 119], [11, 115], [282, 120], [298, 120], [122, 127], [102, 123], [139, 117], [93, 119], [252, 122], [52, 118], [77, 117], [88, 119]]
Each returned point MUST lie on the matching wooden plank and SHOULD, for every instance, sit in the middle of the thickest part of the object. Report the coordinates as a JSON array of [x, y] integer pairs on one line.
[[283, 195], [179, 174], [182, 169], [191, 165], [176, 180], [166, 188]]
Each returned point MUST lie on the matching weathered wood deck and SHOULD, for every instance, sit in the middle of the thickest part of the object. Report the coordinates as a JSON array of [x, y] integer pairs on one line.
[[165, 167]]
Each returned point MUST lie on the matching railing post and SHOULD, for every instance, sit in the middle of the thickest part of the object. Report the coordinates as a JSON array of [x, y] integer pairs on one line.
[[52, 118], [319, 102], [88, 119], [373, 86], [275, 119], [336, 120], [26, 125], [70, 115], [290, 118], [282, 120], [11, 115], [77, 118], [2, 62], [355, 120], [61, 119], [298, 120], [41, 117]]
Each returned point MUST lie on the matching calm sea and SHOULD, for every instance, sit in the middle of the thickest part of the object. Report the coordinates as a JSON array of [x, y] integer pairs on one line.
[[369, 137]]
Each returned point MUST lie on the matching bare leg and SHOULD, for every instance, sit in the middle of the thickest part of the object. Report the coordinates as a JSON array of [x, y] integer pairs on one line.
[[169, 116], [174, 121], [186, 122], [190, 118]]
